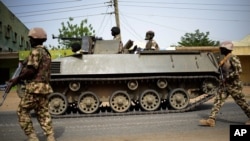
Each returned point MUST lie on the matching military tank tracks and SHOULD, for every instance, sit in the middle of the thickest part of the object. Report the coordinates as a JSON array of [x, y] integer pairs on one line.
[[137, 109]]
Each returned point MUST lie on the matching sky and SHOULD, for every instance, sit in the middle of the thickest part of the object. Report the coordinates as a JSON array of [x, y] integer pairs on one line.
[[169, 19]]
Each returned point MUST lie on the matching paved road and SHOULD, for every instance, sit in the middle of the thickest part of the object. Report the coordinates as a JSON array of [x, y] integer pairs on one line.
[[160, 127]]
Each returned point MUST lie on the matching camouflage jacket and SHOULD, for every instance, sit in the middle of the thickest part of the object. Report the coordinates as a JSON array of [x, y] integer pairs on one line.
[[231, 68], [152, 45], [40, 59], [118, 37]]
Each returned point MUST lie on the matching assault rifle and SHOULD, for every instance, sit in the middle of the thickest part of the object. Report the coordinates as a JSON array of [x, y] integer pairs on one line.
[[222, 79], [10, 84]]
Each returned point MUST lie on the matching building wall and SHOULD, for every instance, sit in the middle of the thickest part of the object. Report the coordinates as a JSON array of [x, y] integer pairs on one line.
[[13, 38], [245, 75], [7, 68], [13, 33], [244, 54]]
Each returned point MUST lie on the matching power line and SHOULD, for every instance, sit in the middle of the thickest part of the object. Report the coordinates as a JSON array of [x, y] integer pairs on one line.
[[153, 23], [214, 4], [130, 5], [190, 18], [102, 23], [136, 35], [145, 21], [43, 3], [58, 8], [61, 18], [59, 11]]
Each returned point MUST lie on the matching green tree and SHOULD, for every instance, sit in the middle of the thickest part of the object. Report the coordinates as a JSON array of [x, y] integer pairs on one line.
[[197, 39], [70, 30]]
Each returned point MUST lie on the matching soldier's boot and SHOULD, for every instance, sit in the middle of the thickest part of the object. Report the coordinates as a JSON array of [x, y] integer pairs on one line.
[[207, 122], [51, 137], [248, 122], [32, 137]]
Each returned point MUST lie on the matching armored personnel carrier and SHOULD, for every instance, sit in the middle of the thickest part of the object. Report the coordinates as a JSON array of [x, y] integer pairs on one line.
[[99, 80]]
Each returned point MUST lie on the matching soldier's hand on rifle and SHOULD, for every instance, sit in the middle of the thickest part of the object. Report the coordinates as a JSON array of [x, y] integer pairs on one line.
[[14, 81], [27, 73]]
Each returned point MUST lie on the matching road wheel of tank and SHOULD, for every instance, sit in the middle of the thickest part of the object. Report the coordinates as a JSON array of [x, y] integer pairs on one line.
[[88, 102], [57, 104], [178, 99], [150, 100], [120, 101], [210, 86]]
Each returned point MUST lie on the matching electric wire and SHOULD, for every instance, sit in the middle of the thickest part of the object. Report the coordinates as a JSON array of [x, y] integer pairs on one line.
[[54, 19], [126, 23], [182, 8], [60, 11], [101, 26], [182, 3], [38, 11], [43, 3]]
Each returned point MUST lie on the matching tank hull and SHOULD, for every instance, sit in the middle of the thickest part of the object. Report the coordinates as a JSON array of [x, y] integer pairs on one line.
[[121, 83]]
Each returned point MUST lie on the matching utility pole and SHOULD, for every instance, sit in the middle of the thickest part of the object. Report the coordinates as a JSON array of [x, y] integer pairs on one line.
[[117, 14]]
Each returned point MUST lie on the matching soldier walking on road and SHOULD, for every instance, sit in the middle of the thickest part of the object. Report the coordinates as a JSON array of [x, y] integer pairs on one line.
[[36, 75], [232, 85]]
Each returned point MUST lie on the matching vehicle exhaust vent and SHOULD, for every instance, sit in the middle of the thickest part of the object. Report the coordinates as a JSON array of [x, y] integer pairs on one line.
[[55, 67]]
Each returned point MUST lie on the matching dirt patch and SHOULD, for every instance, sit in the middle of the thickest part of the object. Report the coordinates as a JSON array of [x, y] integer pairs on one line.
[[11, 102]]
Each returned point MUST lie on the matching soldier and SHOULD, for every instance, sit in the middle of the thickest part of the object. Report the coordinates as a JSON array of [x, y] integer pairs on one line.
[[231, 85], [151, 44], [115, 32], [36, 75]]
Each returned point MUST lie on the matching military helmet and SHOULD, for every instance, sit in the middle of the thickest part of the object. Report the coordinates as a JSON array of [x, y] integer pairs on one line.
[[227, 45], [115, 30], [149, 35], [37, 33]]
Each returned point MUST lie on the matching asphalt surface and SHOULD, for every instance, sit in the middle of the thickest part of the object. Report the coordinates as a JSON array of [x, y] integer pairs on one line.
[[157, 127]]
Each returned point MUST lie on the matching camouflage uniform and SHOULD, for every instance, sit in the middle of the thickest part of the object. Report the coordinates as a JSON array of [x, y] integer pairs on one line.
[[118, 37], [37, 89], [231, 70], [152, 45], [231, 85]]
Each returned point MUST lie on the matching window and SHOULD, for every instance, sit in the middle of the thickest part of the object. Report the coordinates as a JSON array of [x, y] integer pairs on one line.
[[8, 30], [27, 45], [14, 38], [1, 27], [21, 44]]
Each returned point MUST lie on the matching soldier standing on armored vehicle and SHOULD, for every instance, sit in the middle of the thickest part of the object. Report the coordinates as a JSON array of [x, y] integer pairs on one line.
[[36, 74], [115, 32], [151, 44], [231, 84]]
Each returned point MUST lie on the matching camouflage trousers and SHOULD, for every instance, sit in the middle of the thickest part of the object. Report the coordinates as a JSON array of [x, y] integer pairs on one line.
[[235, 90], [38, 103]]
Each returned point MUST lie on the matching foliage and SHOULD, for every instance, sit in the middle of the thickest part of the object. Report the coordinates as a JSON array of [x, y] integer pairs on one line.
[[197, 39], [70, 30], [54, 53]]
